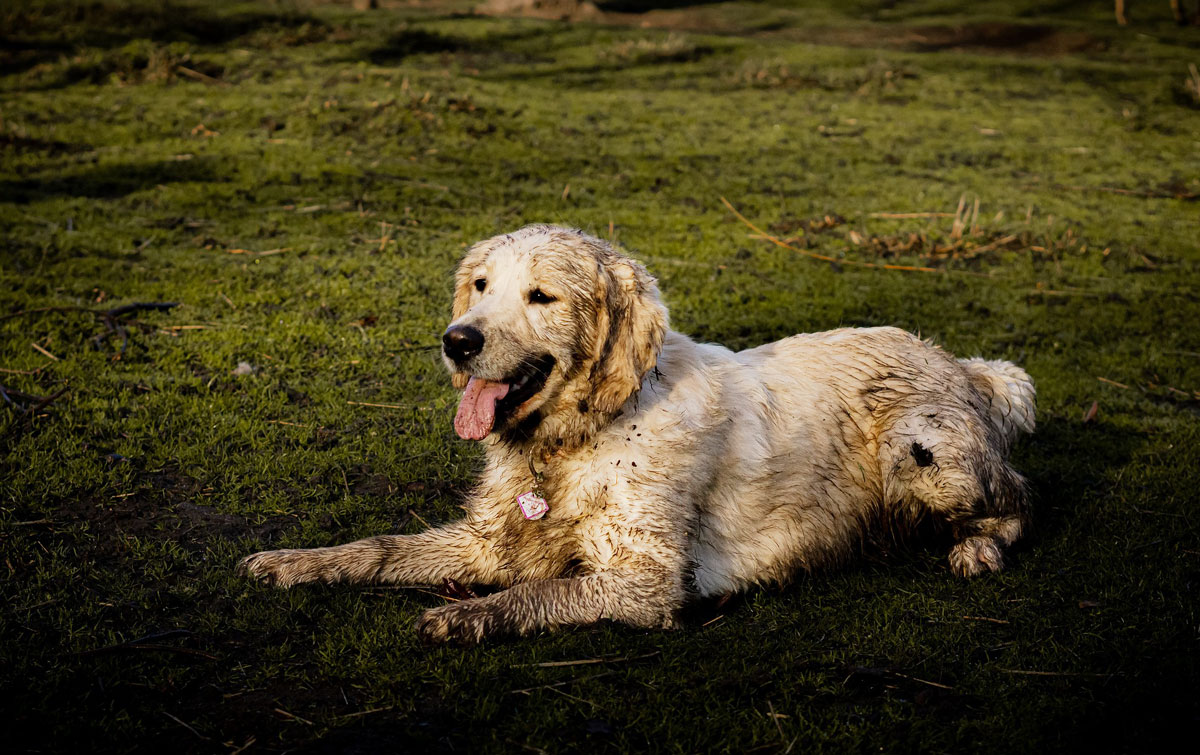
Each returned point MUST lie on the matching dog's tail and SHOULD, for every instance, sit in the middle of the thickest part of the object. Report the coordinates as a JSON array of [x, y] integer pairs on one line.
[[1010, 393]]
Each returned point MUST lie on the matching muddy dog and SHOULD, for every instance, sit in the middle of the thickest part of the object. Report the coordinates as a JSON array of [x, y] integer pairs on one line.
[[630, 469]]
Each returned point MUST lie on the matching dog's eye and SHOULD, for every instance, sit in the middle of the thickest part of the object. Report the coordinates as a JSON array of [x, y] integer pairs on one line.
[[480, 284], [537, 296]]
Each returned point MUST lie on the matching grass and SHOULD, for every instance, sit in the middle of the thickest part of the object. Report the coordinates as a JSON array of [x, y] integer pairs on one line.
[[302, 179]]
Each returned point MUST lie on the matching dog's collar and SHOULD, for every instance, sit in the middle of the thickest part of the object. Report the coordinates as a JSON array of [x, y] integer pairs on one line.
[[533, 503]]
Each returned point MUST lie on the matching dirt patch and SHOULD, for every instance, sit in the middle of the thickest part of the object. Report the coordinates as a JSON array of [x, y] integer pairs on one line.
[[992, 36], [556, 10], [164, 508], [989, 37]]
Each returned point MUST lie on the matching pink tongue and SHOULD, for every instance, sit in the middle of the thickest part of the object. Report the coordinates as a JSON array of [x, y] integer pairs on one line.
[[477, 410]]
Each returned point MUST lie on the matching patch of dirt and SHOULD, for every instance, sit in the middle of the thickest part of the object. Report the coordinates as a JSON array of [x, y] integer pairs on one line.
[[556, 10], [991, 36], [179, 518], [789, 225]]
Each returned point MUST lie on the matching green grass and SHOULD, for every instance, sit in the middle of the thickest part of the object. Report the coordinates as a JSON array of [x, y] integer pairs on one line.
[[372, 148]]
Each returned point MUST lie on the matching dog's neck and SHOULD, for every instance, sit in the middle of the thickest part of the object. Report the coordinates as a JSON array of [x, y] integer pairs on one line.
[[569, 427]]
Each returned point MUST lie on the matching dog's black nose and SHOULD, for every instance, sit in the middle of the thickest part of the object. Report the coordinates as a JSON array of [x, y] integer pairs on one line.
[[462, 342]]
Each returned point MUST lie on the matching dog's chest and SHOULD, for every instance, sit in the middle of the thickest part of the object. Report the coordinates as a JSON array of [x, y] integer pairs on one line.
[[570, 535]]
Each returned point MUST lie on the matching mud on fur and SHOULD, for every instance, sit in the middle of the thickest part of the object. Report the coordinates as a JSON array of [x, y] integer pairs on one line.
[[676, 470]]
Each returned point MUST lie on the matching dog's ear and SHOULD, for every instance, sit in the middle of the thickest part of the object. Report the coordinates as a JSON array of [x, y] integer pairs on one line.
[[632, 325], [464, 284]]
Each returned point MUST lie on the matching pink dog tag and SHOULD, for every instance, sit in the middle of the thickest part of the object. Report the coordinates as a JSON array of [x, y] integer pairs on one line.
[[533, 506]]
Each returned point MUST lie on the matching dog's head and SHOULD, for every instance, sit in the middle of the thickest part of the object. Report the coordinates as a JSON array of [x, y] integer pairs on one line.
[[553, 331]]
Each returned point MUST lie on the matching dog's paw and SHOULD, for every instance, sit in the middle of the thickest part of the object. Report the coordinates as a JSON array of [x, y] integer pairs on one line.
[[281, 568], [975, 555], [463, 623]]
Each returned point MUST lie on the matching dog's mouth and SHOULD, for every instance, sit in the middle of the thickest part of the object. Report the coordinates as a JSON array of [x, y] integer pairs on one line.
[[488, 402]]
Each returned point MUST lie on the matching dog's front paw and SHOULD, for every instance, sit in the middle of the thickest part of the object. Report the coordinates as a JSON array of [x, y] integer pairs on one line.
[[463, 623], [282, 568], [975, 555]]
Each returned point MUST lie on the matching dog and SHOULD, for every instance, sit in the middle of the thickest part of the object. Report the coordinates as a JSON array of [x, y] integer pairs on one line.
[[630, 470]]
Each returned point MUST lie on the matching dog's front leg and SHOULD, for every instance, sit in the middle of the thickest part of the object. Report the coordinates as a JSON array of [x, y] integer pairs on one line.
[[646, 597], [458, 551]]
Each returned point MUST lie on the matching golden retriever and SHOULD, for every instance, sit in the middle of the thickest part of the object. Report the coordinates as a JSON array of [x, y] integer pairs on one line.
[[630, 469]]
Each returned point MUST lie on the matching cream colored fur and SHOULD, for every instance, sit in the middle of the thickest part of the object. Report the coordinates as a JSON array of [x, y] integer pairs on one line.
[[675, 469]]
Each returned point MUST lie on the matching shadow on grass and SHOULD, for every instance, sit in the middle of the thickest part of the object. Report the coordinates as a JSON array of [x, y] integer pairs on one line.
[[25, 144], [420, 42], [507, 48], [108, 181], [1067, 462], [39, 33]]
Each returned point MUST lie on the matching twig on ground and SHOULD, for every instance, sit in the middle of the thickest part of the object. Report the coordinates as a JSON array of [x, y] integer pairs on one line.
[[32, 411], [1092, 411], [19, 394], [149, 646], [47, 401], [419, 347], [418, 517], [563, 683], [1189, 395], [909, 215], [379, 406], [4, 395], [113, 324], [775, 717], [141, 644], [266, 253], [394, 406], [986, 618], [111, 318], [822, 257], [367, 712], [198, 76], [590, 661], [440, 595], [1026, 672], [245, 746], [884, 672], [1057, 292], [569, 696], [293, 716], [43, 352], [939, 685], [35, 371], [200, 736], [969, 253]]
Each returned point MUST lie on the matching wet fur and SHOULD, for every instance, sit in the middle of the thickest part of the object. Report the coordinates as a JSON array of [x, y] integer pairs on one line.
[[675, 469]]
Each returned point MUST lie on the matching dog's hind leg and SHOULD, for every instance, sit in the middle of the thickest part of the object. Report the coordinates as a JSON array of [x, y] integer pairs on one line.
[[952, 465]]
